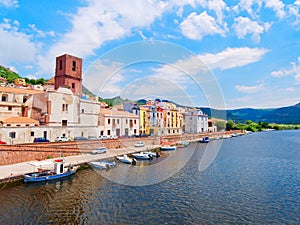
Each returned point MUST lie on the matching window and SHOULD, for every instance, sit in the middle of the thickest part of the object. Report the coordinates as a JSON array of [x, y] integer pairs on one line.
[[45, 134], [24, 99], [74, 65], [82, 110], [60, 64], [12, 134], [4, 98], [108, 121], [73, 85], [65, 107], [32, 134], [108, 132], [9, 108], [64, 123]]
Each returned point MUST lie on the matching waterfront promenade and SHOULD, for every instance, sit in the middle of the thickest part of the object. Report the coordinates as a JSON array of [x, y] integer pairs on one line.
[[14, 172]]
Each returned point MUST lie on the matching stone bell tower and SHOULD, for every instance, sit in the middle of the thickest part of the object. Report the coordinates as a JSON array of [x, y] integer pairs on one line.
[[68, 72]]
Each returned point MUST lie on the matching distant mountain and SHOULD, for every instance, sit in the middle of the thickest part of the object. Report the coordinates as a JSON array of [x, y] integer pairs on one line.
[[283, 115]]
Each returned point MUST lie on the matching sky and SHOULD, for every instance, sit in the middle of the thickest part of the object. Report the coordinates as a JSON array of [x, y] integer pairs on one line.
[[222, 54]]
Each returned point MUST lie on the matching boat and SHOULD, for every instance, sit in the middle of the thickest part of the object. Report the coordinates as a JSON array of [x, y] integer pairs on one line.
[[103, 164], [126, 159], [59, 171], [100, 150], [205, 140], [153, 154], [183, 144], [142, 155], [139, 144], [168, 148]]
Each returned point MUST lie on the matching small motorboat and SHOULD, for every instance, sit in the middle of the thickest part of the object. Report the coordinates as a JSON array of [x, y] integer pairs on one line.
[[183, 144], [205, 140], [59, 171], [153, 154], [167, 148], [103, 164], [126, 159], [139, 144], [142, 155], [100, 150]]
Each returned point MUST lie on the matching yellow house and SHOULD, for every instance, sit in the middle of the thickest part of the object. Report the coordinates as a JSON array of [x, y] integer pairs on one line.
[[20, 82]]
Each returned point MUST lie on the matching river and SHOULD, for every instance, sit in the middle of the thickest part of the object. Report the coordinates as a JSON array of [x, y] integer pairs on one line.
[[251, 179]]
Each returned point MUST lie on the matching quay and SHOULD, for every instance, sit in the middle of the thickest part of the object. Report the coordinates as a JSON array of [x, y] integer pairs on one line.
[[78, 153], [15, 172]]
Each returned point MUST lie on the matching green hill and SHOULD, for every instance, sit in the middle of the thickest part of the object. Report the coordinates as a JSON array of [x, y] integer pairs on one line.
[[9, 75]]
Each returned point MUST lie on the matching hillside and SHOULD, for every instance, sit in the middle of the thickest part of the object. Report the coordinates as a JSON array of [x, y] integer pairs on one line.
[[9, 75]]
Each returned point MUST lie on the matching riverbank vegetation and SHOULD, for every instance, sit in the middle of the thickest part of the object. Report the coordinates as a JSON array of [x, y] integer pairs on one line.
[[260, 126]]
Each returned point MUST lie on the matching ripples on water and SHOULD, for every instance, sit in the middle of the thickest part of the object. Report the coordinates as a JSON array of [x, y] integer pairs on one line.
[[254, 179]]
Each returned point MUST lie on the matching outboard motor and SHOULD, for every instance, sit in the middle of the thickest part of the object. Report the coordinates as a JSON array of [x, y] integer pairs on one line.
[[133, 161]]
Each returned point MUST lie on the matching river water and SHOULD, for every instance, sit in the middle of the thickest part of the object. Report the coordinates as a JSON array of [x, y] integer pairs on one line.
[[252, 179]]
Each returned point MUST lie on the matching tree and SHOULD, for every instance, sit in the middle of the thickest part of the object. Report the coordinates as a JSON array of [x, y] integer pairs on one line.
[[230, 125], [221, 125]]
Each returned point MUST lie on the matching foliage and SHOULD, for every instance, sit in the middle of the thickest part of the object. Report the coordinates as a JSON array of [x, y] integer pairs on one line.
[[260, 126], [113, 101], [9, 75], [221, 125]]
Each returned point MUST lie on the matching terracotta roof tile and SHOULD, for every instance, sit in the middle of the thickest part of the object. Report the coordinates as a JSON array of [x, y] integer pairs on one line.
[[19, 120], [19, 90]]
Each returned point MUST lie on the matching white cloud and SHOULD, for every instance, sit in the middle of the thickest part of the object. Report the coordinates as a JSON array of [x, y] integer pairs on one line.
[[197, 26], [104, 78], [277, 6], [294, 71], [244, 26], [249, 89], [233, 57], [9, 3], [15, 45], [249, 5], [293, 12], [40, 33], [101, 21]]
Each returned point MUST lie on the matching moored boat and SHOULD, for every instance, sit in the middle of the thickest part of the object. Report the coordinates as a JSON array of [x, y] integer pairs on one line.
[[142, 156], [103, 164], [183, 144], [153, 154], [59, 171], [126, 159], [168, 148]]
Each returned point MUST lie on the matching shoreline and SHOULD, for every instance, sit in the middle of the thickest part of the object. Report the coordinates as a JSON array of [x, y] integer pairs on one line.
[[15, 172]]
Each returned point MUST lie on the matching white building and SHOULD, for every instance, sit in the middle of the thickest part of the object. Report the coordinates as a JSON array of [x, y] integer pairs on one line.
[[196, 121], [119, 123]]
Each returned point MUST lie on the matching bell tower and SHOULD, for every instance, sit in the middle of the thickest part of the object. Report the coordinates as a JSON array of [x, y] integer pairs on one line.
[[68, 72]]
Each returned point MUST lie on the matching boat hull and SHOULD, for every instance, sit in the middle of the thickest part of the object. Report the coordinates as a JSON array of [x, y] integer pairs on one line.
[[168, 148], [30, 178]]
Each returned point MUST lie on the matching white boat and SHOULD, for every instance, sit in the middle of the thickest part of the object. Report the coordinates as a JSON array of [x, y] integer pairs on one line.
[[59, 171], [103, 164], [153, 154], [100, 150], [126, 159], [139, 144], [167, 148], [142, 155]]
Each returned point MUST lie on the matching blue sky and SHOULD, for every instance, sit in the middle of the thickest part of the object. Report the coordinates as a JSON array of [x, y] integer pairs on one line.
[[216, 53]]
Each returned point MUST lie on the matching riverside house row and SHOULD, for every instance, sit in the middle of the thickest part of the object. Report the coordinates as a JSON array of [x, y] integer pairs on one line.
[[59, 109]]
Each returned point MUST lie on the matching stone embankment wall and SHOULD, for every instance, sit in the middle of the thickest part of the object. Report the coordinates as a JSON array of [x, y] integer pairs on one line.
[[12, 154]]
